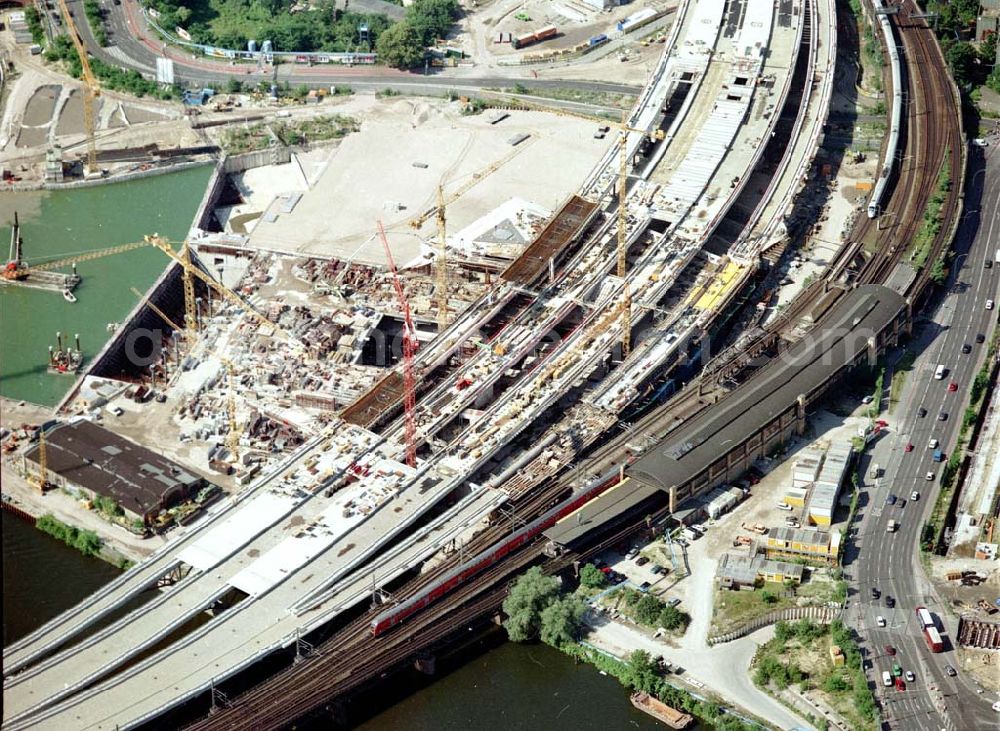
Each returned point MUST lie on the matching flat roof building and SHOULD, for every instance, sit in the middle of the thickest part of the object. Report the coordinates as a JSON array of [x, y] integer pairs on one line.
[[89, 460], [737, 572], [815, 545]]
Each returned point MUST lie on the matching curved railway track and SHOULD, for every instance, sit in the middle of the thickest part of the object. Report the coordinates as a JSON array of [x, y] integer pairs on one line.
[[353, 656]]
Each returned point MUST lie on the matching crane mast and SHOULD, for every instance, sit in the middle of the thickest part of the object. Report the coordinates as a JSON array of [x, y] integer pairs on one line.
[[441, 265], [409, 348]]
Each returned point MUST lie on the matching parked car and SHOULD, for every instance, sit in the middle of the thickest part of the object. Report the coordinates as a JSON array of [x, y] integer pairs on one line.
[[656, 569], [880, 621], [875, 592], [890, 650], [897, 669], [633, 552], [950, 670], [641, 561], [900, 684], [673, 602], [889, 601], [784, 506], [910, 677]]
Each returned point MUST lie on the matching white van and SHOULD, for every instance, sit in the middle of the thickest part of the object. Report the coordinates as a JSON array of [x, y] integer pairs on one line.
[[876, 471], [886, 678], [939, 373]]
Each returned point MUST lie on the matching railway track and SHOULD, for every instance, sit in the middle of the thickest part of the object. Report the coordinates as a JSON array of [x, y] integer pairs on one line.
[[352, 657]]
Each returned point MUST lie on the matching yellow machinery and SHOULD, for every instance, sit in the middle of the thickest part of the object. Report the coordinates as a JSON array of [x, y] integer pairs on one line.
[[148, 302], [43, 474], [91, 90], [626, 306], [233, 436], [20, 269], [441, 263]]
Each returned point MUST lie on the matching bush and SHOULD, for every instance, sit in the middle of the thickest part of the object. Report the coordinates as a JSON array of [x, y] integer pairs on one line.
[[592, 577], [86, 542], [34, 22], [768, 597]]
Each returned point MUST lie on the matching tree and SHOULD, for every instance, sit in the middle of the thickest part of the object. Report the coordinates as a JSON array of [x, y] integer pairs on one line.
[[531, 593], [641, 672], [401, 46], [432, 19], [671, 618], [182, 14], [961, 57], [768, 597], [648, 609], [561, 620], [592, 577]]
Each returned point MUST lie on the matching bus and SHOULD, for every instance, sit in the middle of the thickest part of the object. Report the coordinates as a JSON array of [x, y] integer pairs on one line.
[[933, 639], [926, 620]]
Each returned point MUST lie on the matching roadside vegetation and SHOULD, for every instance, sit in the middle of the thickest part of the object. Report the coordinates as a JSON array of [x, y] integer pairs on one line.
[[537, 608], [930, 536], [799, 655], [95, 16], [33, 19], [598, 98], [237, 140], [923, 241], [86, 542], [233, 23], [900, 372], [111, 77]]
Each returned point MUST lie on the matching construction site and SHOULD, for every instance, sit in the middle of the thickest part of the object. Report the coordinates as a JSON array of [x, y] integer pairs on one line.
[[459, 339]]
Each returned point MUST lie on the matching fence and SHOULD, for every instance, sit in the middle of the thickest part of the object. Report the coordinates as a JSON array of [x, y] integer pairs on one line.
[[823, 615]]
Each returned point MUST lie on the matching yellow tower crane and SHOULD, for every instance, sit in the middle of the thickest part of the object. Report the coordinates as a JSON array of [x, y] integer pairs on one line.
[[163, 316], [441, 265], [233, 436], [442, 285], [22, 269], [658, 134], [43, 474], [91, 90]]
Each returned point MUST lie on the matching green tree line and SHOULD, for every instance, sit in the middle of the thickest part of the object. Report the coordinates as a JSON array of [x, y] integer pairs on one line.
[[85, 541]]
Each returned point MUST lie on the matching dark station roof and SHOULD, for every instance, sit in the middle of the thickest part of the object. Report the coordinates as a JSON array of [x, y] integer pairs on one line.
[[615, 502], [564, 226], [107, 464], [842, 336]]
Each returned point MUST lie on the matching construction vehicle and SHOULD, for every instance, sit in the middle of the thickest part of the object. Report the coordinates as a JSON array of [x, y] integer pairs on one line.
[[91, 88], [410, 345], [742, 541], [17, 269], [42, 481], [755, 528]]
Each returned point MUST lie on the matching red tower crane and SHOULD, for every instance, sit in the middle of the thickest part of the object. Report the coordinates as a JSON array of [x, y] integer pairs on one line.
[[410, 345]]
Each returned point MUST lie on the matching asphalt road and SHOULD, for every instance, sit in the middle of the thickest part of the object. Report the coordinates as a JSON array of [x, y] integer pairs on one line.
[[134, 50], [890, 561]]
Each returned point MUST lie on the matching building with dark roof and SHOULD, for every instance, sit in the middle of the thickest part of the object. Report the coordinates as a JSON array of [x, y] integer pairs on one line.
[[88, 460], [721, 443]]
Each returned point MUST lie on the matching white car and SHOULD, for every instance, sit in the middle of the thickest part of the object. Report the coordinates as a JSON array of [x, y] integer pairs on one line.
[[880, 621], [914, 496], [929, 477], [910, 677], [784, 506], [989, 304], [932, 444], [980, 142]]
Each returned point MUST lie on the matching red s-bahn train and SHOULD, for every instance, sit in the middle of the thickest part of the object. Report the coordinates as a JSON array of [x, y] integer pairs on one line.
[[397, 614]]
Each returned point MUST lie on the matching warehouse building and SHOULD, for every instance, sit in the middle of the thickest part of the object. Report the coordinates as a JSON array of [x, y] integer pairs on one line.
[[745, 572], [88, 460]]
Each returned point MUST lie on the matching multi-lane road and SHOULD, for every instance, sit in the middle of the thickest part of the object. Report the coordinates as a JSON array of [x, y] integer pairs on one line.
[[132, 46], [890, 562]]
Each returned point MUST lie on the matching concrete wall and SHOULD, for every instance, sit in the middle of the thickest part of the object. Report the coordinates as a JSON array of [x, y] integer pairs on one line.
[[257, 159]]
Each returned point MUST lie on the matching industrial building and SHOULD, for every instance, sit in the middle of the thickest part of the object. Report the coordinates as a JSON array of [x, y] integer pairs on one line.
[[814, 545], [745, 572], [88, 460]]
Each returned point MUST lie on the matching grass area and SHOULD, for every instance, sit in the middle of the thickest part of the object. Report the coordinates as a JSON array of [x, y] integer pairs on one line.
[[799, 655], [316, 129], [598, 98], [923, 242], [733, 609], [238, 140], [899, 374]]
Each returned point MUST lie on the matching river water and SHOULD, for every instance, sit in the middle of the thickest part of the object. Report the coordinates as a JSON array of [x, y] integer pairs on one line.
[[64, 222]]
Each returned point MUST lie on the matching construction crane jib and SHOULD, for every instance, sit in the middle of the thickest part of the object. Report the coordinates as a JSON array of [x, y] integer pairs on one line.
[[91, 90]]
